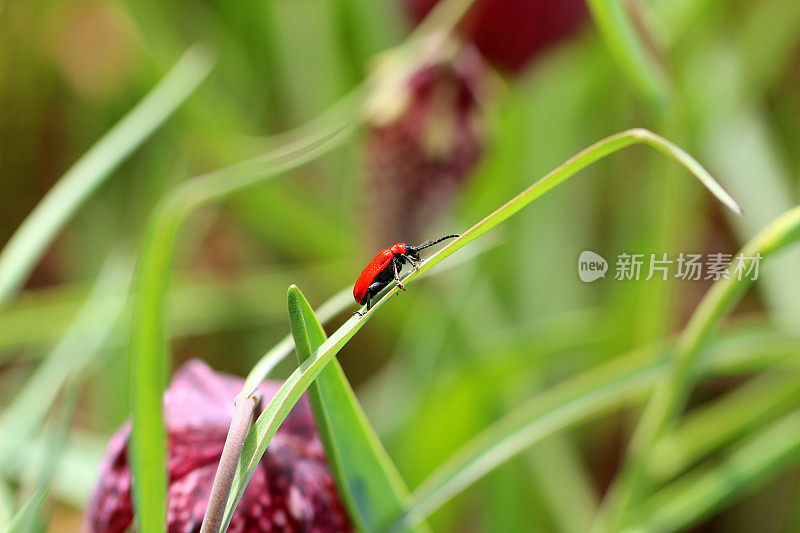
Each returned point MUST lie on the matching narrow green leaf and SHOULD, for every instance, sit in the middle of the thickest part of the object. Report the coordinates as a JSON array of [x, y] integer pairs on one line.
[[278, 408], [670, 396], [709, 427], [335, 305], [583, 397], [588, 395], [748, 465], [368, 480], [26, 520], [33, 236], [30, 517], [70, 357], [630, 51]]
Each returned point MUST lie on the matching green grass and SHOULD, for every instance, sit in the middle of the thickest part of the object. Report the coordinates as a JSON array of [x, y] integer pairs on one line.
[[670, 395], [367, 479], [499, 391], [26, 246], [278, 408]]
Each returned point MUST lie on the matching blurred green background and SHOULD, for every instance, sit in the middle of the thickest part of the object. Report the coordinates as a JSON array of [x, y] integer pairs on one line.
[[453, 354]]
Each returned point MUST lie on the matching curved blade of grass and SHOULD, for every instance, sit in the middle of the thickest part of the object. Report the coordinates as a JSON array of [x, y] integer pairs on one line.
[[335, 305], [149, 356], [69, 358], [749, 406], [26, 520], [332, 307], [631, 53], [278, 408], [30, 517], [581, 398], [586, 396], [368, 480], [669, 397], [36, 232], [749, 464]]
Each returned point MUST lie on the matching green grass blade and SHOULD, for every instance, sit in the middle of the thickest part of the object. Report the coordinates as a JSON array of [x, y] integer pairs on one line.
[[276, 411], [630, 51], [708, 428], [748, 465], [30, 517], [75, 475], [335, 305], [68, 359], [579, 399], [33, 236], [149, 352], [26, 520], [368, 480], [669, 397], [586, 396], [332, 307]]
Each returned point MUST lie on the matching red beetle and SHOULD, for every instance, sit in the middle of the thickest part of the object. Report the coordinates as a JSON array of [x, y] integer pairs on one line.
[[385, 267]]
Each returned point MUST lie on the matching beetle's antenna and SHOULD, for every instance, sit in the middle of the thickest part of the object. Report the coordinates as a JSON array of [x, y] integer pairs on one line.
[[437, 241]]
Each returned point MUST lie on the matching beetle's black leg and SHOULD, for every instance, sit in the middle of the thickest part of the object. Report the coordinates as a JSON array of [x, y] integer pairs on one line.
[[397, 275], [413, 263], [369, 304], [374, 289]]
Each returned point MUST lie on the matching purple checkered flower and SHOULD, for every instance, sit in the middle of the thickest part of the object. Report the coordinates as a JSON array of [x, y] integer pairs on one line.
[[291, 490]]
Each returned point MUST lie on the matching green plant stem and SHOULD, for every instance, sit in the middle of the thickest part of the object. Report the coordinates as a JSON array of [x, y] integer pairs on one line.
[[670, 395], [149, 354], [631, 53], [276, 411], [36, 232]]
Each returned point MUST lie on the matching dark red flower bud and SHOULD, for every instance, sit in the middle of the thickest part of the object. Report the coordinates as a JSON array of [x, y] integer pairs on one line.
[[291, 490], [426, 131], [510, 33]]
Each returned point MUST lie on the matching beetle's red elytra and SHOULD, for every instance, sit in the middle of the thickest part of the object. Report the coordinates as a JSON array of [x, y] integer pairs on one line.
[[385, 267]]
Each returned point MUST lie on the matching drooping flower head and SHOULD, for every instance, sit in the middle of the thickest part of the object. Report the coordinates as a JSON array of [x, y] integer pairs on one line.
[[291, 490], [425, 133]]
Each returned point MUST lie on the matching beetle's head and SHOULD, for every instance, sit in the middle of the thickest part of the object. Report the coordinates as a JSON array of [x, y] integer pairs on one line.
[[413, 251]]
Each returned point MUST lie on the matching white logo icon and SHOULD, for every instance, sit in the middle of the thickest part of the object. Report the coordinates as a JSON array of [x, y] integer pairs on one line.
[[591, 266]]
